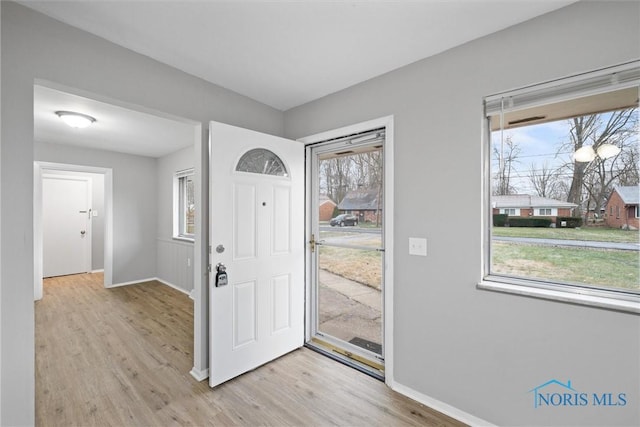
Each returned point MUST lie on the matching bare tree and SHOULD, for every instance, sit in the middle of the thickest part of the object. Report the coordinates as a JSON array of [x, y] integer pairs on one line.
[[592, 181], [507, 157], [630, 170], [544, 180], [336, 177]]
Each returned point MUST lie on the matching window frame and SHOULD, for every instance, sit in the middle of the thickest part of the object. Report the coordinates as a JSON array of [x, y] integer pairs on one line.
[[180, 178], [553, 91]]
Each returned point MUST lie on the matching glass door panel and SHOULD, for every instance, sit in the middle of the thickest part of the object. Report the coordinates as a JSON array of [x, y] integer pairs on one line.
[[347, 289]]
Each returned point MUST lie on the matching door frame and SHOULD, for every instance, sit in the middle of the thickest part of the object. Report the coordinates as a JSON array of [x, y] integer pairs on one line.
[[382, 122], [40, 169]]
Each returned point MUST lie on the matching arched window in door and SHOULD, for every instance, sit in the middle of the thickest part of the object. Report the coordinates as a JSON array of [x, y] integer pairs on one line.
[[262, 161]]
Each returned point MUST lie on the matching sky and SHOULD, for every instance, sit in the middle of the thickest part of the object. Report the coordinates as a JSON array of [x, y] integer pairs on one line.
[[538, 144]]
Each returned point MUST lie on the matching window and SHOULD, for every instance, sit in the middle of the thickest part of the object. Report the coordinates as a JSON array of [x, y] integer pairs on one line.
[[263, 161], [509, 211], [184, 205], [564, 145]]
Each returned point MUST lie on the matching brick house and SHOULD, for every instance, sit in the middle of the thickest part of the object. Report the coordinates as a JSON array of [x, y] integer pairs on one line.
[[326, 207], [524, 205], [365, 204], [621, 210]]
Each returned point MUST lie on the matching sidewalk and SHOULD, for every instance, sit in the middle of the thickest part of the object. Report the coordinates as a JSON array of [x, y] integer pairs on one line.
[[349, 309]]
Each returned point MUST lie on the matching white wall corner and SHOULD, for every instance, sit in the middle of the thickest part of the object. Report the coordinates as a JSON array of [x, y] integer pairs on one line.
[[171, 285]]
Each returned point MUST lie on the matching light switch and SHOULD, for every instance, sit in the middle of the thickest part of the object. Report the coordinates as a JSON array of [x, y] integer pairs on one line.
[[417, 246]]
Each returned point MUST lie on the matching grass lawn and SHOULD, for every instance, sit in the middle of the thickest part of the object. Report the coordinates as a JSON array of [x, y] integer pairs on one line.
[[585, 233], [355, 264], [607, 268]]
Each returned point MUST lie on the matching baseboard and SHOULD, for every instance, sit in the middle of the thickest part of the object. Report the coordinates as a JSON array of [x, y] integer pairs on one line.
[[192, 294], [199, 375], [101, 270], [171, 285], [442, 407], [133, 282], [150, 279]]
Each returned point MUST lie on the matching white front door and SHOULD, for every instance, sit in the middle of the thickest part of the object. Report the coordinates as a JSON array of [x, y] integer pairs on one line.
[[65, 233], [257, 231]]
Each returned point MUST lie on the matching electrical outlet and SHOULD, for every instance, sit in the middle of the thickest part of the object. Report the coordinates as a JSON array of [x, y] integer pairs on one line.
[[417, 246]]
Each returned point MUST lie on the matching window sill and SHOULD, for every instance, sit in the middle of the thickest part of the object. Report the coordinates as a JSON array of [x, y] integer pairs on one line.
[[627, 306], [184, 239]]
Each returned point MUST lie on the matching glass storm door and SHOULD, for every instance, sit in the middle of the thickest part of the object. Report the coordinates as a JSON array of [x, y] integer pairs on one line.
[[347, 250]]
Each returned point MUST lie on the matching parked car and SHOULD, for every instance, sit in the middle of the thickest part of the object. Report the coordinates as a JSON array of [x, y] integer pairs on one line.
[[344, 219]]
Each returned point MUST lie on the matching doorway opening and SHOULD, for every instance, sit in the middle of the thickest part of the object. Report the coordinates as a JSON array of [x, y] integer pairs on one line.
[[348, 277], [97, 218]]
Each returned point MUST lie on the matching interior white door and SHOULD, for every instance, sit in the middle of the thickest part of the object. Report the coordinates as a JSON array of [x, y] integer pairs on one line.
[[257, 232], [65, 226]]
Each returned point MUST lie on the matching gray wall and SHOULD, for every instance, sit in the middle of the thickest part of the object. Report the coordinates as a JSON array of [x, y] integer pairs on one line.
[[174, 257], [134, 204], [37, 47], [476, 350]]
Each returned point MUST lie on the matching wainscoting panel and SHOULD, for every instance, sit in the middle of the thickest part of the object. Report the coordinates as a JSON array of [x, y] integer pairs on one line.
[[175, 263]]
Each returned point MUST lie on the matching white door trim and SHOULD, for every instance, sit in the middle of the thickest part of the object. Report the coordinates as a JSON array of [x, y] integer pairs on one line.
[[387, 123], [39, 171]]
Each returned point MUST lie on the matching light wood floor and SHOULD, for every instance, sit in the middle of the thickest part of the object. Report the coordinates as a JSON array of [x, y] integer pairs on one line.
[[122, 357]]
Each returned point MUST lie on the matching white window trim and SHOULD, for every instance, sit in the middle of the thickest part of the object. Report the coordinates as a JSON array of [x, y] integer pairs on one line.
[[554, 212], [177, 235], [587, 83]]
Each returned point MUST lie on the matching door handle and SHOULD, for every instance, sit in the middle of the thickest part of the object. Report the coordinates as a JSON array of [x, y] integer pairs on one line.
[[82, 232]]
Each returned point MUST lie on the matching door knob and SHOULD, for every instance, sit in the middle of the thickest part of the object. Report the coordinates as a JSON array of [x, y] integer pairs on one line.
[[82, 232]]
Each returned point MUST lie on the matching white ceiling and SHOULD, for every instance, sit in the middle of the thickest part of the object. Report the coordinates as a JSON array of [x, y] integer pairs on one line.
[[116, 128], [287, 53], [283, 53]]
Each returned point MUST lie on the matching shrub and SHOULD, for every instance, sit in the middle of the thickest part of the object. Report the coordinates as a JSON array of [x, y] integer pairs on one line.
[[499, 220], [571, 221], [529, 222]]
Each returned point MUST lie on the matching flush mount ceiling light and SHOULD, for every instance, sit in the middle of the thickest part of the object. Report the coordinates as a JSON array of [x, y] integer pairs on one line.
[[75, 120], [587, 153], [584, 154], [606, 151]]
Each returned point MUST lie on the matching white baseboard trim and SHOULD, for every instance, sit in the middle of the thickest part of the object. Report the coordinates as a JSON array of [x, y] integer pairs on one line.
[[199, 375], [150, 279], [133, 282], [439, 406], [171, 285], [101, 270], [192, 294]]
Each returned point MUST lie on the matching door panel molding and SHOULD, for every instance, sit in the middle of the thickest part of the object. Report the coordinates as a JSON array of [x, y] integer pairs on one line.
[[258, 219]]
